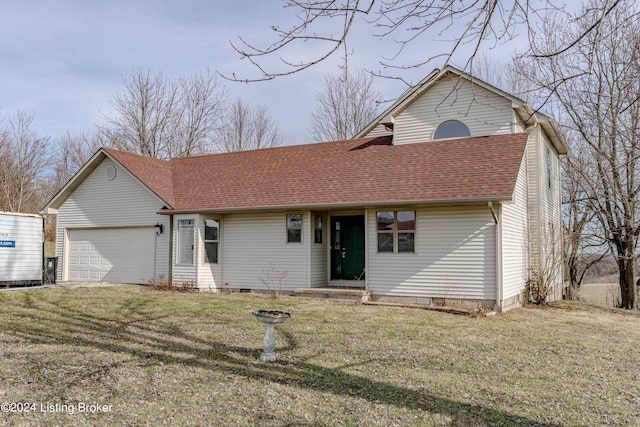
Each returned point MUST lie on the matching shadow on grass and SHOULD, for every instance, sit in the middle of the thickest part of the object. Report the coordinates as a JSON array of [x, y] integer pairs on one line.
[[145, 337]]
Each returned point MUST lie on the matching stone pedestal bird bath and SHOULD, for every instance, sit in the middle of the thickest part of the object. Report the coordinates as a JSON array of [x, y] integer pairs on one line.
[[270, 318]]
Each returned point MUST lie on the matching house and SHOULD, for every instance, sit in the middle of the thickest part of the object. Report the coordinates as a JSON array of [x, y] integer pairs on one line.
[[451, 195]]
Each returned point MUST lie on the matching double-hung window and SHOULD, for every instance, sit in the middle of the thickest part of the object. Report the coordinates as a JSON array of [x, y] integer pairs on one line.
[[396, 231], [211, 240], [294, 228]]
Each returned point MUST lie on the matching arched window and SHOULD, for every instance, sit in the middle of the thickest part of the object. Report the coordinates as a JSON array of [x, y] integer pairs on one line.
[[451, 129]]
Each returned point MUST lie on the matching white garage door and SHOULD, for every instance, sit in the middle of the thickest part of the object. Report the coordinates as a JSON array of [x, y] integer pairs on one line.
[[123, 255]]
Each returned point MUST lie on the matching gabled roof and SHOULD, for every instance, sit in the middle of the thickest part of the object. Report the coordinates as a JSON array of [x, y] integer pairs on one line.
[[361, 172], [153, 174], [523, 109]]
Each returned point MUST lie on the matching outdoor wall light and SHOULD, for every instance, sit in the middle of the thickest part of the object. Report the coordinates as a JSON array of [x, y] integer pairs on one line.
[[159, 228]]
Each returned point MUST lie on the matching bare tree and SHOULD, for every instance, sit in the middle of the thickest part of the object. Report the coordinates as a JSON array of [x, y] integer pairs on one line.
[[25, 157], [248, 128], [505, 76], [583, 245], [345, 105], [74, 150], [157, 117], [203, 101], [600, 102], [324, 27], [542, 284]]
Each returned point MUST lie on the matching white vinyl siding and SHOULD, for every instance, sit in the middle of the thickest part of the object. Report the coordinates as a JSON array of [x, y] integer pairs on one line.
[[515, 233], [253, 243], [379, 130], [518, 123], [454, 258], [552, 185], [102, 203], [551, 212], [533, 184], [452, 98], [544, 202]]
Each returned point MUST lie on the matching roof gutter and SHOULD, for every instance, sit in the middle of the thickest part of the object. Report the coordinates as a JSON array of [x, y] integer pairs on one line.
[[362, 205]]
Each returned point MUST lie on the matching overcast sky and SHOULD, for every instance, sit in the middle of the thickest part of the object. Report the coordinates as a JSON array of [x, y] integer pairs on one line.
[[62, 60]]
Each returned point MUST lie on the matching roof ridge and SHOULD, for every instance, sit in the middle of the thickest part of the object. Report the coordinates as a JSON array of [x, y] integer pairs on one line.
[[280, 147]]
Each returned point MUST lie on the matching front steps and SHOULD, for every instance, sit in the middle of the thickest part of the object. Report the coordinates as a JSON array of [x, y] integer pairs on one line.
[[342, 294]]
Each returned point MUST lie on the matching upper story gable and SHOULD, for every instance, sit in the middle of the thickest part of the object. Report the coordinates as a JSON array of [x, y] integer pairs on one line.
[[450, 103]]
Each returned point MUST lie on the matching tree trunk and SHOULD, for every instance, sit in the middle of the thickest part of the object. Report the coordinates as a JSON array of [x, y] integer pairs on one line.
[[570, 291], [627, 284]]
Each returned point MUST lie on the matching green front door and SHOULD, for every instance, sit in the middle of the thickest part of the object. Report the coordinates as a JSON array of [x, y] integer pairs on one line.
[[347, 247]]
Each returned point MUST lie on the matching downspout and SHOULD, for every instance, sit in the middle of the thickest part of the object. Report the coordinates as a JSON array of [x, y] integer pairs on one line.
[[493, 213], [366, 249], [308, 241], [498, 235], [170, 236], [196, 249], [44, 264], [155, 259]]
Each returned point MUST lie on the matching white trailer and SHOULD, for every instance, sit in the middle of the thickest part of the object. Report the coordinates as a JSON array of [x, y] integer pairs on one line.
[[21, 249]]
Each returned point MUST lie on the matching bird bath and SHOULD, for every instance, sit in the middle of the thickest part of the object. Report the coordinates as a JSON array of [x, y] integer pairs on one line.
[[270, 318]]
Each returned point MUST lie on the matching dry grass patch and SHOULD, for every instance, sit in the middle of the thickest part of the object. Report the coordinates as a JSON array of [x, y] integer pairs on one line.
[[602, 294], [161, 358]]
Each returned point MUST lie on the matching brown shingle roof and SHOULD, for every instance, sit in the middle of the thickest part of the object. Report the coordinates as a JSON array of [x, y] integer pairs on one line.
[[367, 171]]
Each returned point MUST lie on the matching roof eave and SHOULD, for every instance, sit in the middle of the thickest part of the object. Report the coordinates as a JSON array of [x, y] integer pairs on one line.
[[336, 206], [547, 123]]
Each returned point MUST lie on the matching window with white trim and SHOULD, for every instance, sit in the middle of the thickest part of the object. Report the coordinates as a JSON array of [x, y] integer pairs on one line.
[[396, 231], [186, 241], [451, 129], [317, 228], [211, 240]]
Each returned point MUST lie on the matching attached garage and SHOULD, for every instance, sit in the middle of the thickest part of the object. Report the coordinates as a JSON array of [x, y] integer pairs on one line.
[[123, 255]]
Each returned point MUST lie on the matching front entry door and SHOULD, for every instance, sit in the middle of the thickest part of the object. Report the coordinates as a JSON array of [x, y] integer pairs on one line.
[[347, 247]]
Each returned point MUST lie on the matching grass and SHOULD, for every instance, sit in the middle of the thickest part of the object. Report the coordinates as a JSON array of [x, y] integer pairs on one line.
[[163, 358], [603, 294]]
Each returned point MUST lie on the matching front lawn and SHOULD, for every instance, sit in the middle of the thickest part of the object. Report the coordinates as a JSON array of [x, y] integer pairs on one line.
[[143, 357]]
